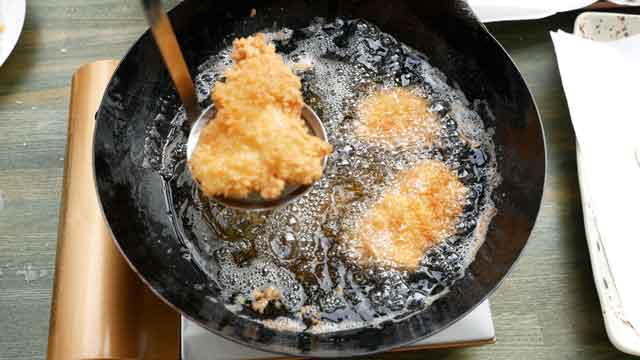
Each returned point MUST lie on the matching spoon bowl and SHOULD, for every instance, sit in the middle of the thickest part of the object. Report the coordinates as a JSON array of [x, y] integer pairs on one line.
[[254, 201]]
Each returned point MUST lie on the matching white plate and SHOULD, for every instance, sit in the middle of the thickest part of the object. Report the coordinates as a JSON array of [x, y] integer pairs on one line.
[[12, 14], [606, 27]]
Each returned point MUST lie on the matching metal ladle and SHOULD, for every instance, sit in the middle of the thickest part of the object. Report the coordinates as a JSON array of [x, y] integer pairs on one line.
[[197, 118]]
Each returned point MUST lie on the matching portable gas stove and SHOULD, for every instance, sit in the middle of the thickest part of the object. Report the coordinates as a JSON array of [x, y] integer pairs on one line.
[[101, 309]]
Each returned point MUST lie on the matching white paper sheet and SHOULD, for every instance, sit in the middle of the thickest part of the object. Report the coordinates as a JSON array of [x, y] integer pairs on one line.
[[601, 82], [501, 10]]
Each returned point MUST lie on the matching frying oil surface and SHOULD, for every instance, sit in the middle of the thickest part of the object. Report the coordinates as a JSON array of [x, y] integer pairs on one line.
[[297, 249]]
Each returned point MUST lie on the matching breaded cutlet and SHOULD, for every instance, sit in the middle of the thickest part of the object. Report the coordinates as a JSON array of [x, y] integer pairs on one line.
[[416, 213], [257, 141]]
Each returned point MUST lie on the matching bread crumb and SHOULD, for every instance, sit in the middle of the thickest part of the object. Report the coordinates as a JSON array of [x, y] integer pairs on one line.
[[310, 315], [262, 297], [303, 65]]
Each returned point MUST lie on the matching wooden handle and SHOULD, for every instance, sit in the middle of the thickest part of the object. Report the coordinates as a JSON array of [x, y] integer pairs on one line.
[[603, 5], [168, 45]]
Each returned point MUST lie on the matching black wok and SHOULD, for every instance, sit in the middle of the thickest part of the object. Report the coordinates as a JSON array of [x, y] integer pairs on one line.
[[131, 189]]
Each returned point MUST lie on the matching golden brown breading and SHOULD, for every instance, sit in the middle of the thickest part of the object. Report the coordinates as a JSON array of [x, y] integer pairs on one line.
[[396, 116], [310, 314], [258, 140], [262, 297], [416, 213]]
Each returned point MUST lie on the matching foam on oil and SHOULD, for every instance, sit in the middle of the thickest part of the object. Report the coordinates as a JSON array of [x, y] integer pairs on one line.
[[297, 248]]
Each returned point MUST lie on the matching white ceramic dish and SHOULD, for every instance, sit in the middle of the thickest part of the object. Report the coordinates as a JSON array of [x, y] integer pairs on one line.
[[606, 27], [12, 13]]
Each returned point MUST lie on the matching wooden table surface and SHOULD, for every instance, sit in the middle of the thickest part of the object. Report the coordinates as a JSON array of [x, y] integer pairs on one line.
[[546, 309]]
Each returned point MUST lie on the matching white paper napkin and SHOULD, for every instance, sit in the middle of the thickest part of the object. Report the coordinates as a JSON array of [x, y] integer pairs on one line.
[[601, 82], [501, 10]]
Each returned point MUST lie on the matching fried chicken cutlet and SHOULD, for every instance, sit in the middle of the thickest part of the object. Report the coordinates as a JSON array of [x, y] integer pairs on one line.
[[416, 213], [395, 116], [258, 140]]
